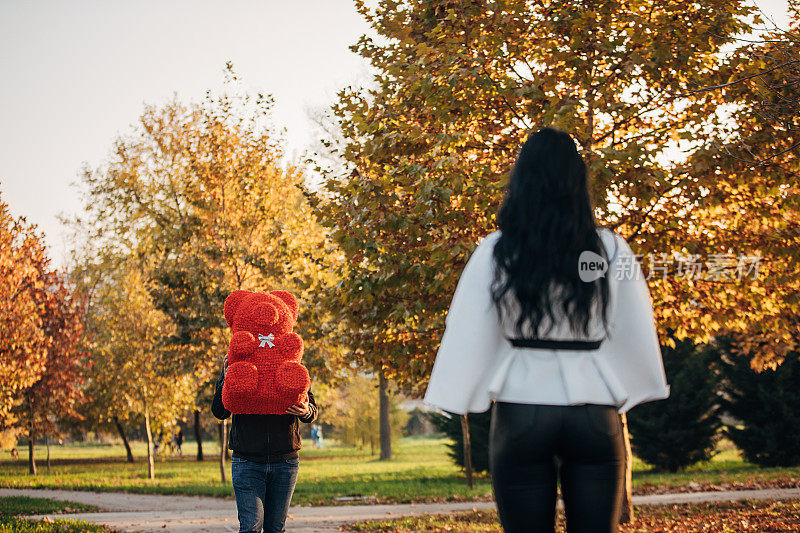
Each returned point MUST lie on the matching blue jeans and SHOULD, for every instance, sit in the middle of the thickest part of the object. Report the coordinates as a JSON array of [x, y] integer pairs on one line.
[[263, 492]]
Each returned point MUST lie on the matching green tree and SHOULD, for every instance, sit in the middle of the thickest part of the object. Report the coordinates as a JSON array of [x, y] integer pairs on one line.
[[764, 403], [683, 429], [450, 425]]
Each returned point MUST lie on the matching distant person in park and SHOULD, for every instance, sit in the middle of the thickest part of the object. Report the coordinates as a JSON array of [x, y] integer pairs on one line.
[[157, 442], [316, 435], [265, 461], [552, 321], [179, 441]]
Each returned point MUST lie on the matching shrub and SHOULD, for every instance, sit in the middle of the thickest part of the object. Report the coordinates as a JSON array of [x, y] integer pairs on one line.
[[9, 438], [683, 429], [450, 425], [419, 424], [767, 405]]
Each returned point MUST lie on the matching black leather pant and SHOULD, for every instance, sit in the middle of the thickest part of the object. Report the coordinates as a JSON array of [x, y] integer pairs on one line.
[[526, 444]]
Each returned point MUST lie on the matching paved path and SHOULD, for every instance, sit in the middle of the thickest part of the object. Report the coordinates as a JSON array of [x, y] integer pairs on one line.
[[135, 512]]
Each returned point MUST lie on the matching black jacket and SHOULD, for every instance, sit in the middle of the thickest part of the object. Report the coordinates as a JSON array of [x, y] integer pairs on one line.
[[263, 438]]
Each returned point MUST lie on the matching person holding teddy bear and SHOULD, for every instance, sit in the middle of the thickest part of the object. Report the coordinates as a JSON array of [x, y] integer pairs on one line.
[[265, 390]]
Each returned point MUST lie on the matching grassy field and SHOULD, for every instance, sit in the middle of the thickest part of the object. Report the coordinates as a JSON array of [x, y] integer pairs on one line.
[[755, 516], [420, 471], [22, 505], [12, 507]]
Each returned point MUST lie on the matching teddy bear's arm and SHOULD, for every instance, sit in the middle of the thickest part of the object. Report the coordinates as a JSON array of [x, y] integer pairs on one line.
[[243, 344], [241, 379], [290, 347], [292, 382]]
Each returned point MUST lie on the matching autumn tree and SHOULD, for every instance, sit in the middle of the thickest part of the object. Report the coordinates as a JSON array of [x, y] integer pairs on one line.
[[458, 87], [754, 203], [104, 411], [352, 408], [203, 195], [135, 369], [767, 76], [57, 392], [102, 408], [24, 272], [41, 363]]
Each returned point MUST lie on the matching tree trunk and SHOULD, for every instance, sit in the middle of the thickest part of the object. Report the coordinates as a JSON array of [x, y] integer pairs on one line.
[[31, 460], [151, 471], [223, 434], [124, 437], [627, 494], [47, 445], [198, 434], [385, 423], [467, 449]]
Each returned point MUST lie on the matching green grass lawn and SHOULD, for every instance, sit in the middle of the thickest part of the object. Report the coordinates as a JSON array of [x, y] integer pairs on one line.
[[419, 471], [22, 505], [725, 517], [13, 506]]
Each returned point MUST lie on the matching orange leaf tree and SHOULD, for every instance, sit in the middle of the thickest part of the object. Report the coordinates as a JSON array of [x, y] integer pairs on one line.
[[202, 200], [750, 197], [24, 343], [41, 322], [57, 392], [458, 86]]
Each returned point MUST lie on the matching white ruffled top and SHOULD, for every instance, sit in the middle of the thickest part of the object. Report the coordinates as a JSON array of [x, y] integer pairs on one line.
[[476, 363]]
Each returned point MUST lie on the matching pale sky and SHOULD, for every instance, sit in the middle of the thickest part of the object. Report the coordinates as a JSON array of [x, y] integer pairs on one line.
[[74, 75]]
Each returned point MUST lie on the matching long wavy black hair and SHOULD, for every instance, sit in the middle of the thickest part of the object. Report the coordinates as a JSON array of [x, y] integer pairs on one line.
[[546, 221]]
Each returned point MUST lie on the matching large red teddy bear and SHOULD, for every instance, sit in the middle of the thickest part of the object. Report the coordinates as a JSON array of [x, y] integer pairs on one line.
[[264, 372]]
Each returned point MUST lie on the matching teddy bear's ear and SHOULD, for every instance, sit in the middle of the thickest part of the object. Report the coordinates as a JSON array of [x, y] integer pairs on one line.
[[290, 301], [232, 303]]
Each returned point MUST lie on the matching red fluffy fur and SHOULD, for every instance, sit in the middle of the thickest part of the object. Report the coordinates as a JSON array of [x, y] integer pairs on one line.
[[264, 372]]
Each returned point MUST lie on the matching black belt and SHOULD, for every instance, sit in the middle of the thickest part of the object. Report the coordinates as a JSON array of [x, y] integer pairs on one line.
[[550, 344]]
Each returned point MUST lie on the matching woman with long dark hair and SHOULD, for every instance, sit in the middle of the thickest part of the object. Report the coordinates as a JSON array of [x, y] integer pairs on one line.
[[552, 322]]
